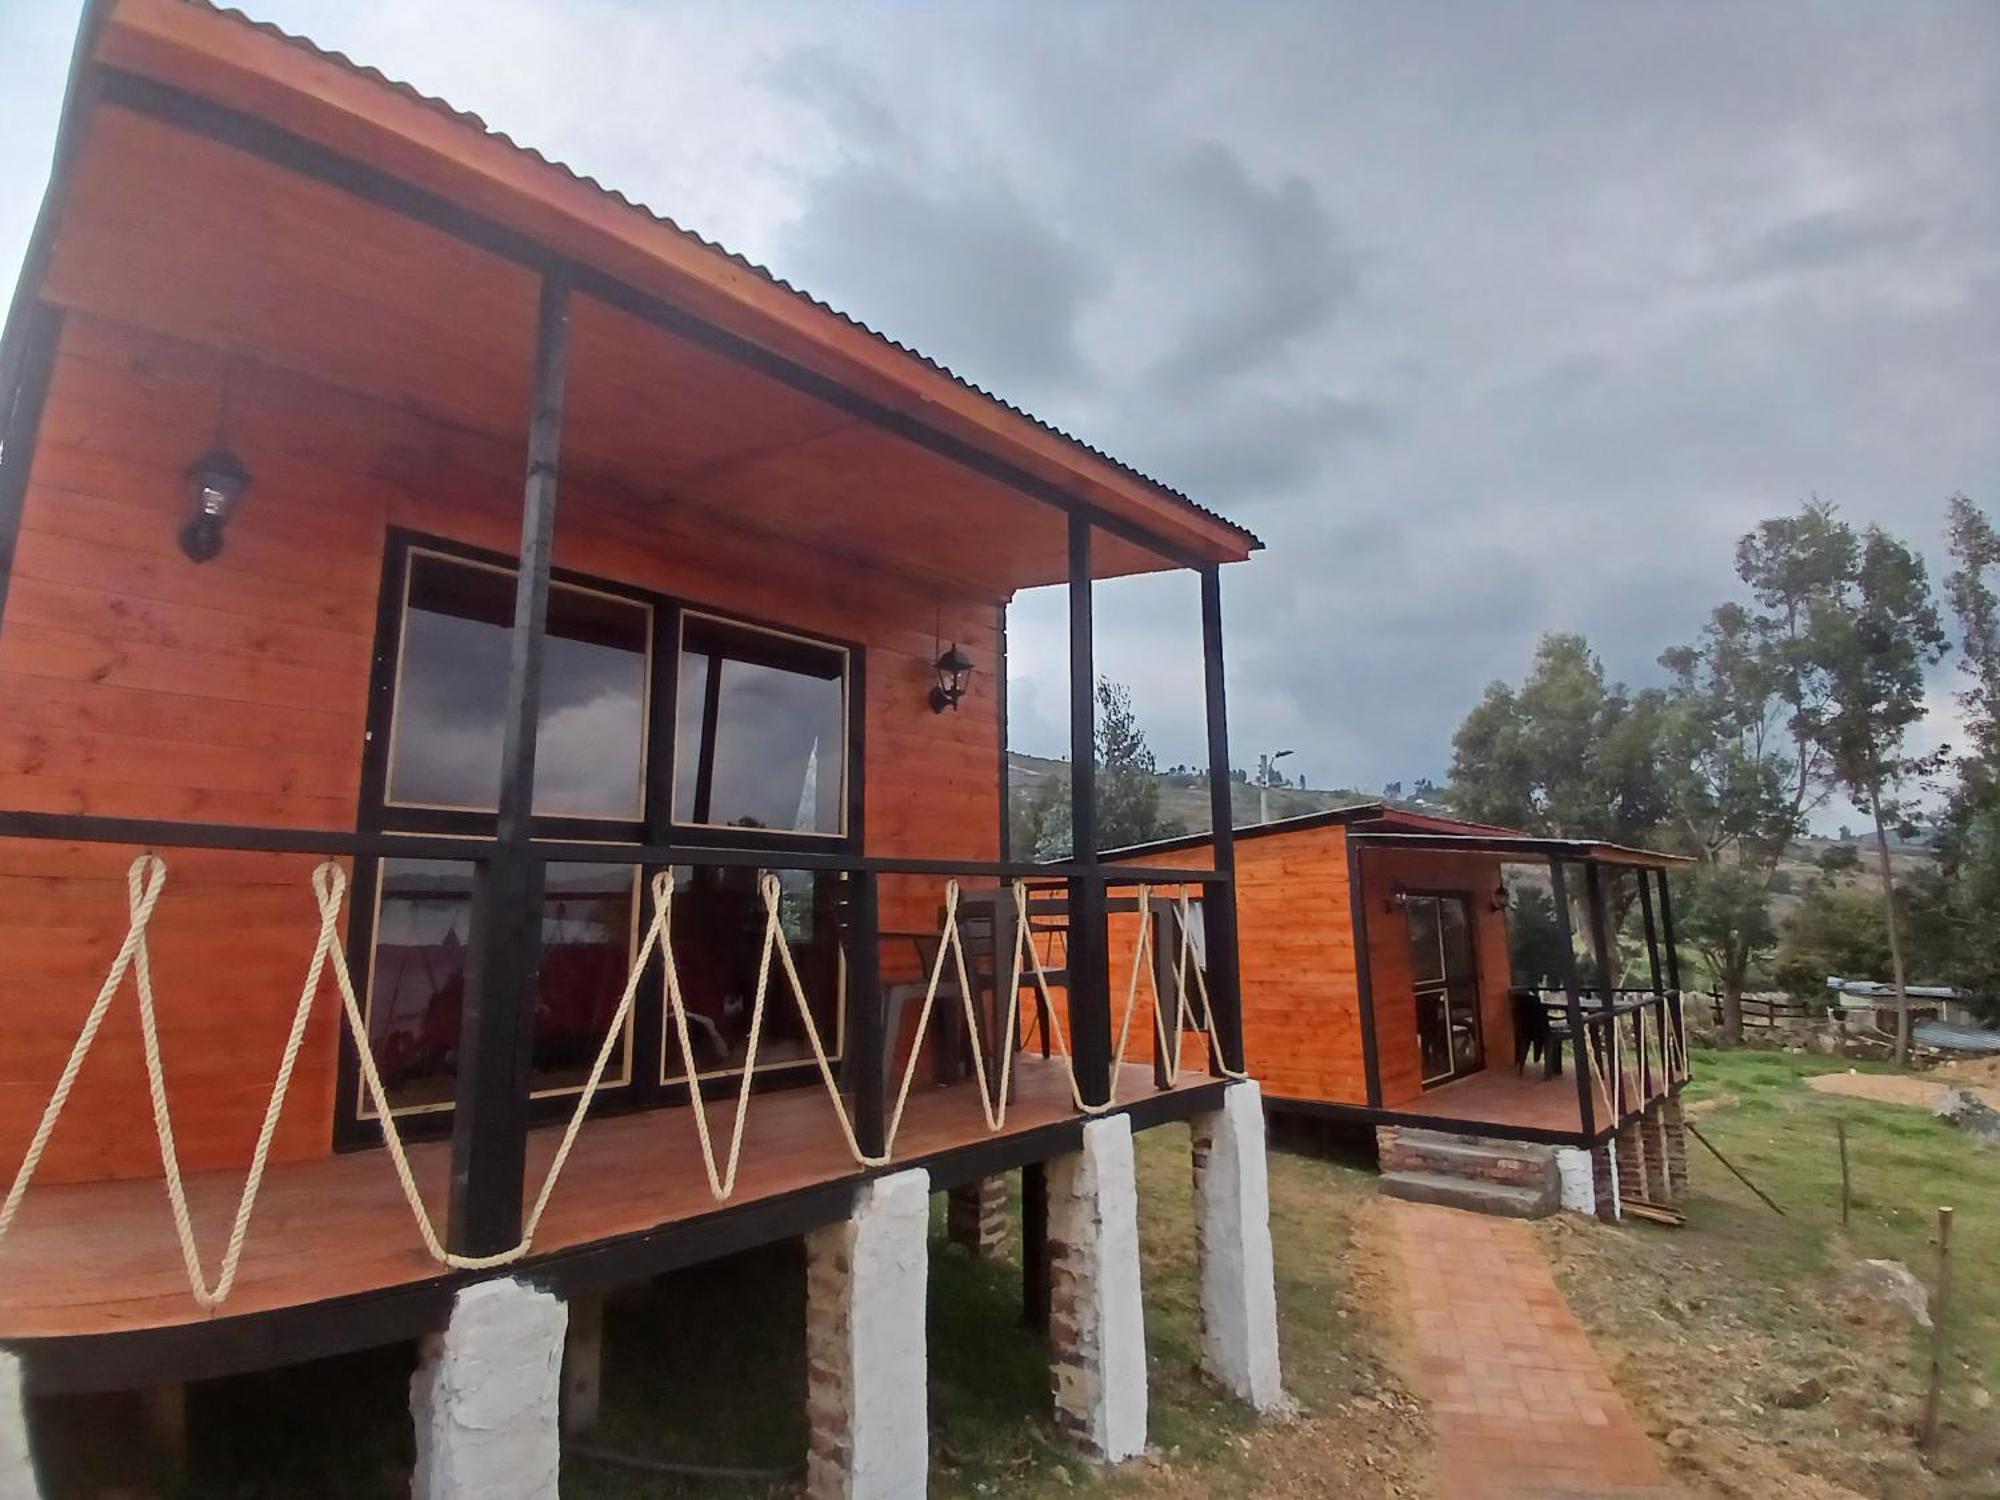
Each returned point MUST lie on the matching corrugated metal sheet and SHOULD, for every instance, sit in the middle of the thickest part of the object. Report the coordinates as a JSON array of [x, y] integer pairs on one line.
[[473, 122]]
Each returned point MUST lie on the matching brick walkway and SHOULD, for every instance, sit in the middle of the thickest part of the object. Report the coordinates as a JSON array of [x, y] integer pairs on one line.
[[1520, 1402]]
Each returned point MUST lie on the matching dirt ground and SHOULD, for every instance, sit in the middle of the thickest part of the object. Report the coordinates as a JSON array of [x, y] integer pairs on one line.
[[1708, 1377], [1920, 1089], [1370, 1442]]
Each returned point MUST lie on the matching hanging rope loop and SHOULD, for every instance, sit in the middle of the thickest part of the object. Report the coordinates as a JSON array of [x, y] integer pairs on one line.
[[146, 880]]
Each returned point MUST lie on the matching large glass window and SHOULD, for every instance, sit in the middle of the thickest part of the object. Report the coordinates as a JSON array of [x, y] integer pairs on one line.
[[718, 934], [451, 695], [758, 741], [422, 926], [761, 730]]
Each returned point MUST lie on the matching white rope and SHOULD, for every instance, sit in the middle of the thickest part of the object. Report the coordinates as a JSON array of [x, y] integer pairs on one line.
[[1143, 947], [146, 879], [144, 882]]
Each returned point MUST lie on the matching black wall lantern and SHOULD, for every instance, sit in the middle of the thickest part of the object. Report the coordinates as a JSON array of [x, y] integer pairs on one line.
[[218, 480], [1398, 898], [954, 671]]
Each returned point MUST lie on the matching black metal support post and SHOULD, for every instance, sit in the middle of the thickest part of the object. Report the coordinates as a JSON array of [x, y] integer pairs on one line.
[[1579, 1042], [1035, 1246], [1676, 1006], [497, 1030], [1089, 951], [1601, 949], [1364, 977], [866, 1066], [1219, 929], [1659, 1005]]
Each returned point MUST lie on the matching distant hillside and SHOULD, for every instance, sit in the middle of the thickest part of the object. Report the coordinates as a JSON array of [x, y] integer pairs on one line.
[[1184, 797]]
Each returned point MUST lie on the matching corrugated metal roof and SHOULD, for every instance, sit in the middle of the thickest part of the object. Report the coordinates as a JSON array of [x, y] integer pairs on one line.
[[474, 122]]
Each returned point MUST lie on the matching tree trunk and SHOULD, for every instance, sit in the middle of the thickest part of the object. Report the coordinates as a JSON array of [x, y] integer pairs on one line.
[[1895, 941], [1731, 980]]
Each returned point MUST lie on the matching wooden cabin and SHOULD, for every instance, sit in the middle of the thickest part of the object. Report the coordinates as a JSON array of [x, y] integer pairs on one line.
[[386, 506], [1382, 984]]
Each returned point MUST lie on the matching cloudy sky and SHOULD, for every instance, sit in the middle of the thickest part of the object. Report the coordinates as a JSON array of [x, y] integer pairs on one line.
[[1491, 320]]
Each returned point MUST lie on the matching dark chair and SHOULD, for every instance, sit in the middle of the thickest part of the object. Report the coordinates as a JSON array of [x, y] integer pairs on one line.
[[1531, 1030]]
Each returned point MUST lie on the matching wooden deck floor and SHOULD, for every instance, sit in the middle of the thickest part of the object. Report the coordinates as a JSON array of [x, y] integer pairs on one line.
[[102, 1258], [1500, 1096]]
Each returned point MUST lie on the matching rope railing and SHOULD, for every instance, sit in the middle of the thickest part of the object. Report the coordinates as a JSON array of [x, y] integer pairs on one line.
[[147, 877]]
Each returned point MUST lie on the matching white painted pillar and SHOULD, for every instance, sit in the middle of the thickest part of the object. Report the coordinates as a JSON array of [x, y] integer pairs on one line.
[[1239, 1292], [486, 1394], [1577, 1175], [866, 1283], [1097, 1330], [17, 1463]]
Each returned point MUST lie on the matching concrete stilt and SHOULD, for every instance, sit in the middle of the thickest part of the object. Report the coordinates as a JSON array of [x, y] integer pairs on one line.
[[1239, 1300], [866, 1279], [17, 1464], [583, 1364], [485, 1397], [1097, 1332]]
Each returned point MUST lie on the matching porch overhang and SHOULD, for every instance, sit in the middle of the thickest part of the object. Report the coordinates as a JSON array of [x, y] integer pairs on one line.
[[297, 211], [1508, 846]]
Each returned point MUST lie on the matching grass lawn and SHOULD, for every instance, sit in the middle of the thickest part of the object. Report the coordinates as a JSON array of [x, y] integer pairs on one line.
[[707, 1367], [1728, 1328]]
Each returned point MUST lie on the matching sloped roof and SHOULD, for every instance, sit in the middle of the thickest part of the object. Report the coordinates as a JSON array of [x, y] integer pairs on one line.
[[474, 122]]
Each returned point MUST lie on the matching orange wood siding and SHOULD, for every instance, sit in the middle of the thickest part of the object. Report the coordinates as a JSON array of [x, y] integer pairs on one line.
[[1301, 1011], [134, 682], [1301, 993], [1473, 876]]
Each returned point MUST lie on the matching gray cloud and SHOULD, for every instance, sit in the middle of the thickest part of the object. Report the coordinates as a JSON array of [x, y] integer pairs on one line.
[[1490, 323]]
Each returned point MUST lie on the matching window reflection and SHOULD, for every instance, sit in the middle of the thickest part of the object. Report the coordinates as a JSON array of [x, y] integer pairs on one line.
[[452, 692], [418, 989], [761, 739], [718, 937]]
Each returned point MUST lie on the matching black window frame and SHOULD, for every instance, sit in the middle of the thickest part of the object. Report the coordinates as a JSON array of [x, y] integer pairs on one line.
[[644, 1088]]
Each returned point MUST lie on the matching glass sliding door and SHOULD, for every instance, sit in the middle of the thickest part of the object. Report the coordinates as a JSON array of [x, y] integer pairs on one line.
[[1445, 978]]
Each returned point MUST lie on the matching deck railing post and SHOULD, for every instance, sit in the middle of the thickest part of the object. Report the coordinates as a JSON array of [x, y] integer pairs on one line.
[[1219, 930], [1579, 1042], [1089, 949], [497, 1028], [866, 1068], [1600, 947], [1675, 1004]]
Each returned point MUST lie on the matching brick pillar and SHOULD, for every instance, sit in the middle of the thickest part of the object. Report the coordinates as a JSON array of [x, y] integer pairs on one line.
[[1631, 1158], [1604, 1179], [1673, 1132], [485, 1396], [1232, 1200], [866, 1279], [17, 1464], [1097, 1332], [976, 1217], [1653, 1126]]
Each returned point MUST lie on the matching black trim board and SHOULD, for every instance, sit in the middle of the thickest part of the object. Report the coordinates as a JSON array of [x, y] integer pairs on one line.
[[226, 1345], [1362, 1114]]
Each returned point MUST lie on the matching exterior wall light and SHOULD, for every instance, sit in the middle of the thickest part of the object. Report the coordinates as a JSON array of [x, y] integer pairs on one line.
[[954, 672], [1399, 898], [219, 481], [1502, 897]]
